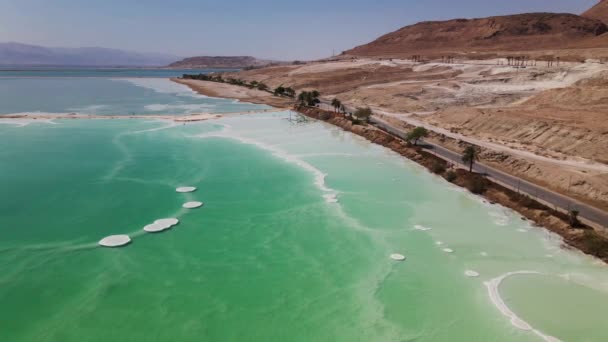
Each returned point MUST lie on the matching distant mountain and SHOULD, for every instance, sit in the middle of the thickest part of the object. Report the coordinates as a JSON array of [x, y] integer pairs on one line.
[[25, 54], [219, 62], [599, 12], [520, 32]]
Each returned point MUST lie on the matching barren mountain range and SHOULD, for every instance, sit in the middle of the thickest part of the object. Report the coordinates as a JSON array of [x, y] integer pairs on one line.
[[219, 62], [599, 12], [27, 54], [544, 119], [534, 33]]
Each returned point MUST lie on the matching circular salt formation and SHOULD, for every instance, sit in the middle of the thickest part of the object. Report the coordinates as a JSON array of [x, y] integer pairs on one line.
[[193, 205], [155, 228], [168, 222], [398, 257], [115, 241], [185, 189], [471, 274], [448, 250]]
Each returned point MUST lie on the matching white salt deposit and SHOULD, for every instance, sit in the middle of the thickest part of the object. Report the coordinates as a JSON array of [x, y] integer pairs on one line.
[[493, 290], [155, 228], [115, 241], [471, 274], [421, 228], [193, 205], [185, 189], [170, 222], [398, 257], [448, 250], [438, 243], [484, 254], [331, 198]]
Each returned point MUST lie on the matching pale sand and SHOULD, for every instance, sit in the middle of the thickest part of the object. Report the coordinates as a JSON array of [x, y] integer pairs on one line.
[[229, 91]]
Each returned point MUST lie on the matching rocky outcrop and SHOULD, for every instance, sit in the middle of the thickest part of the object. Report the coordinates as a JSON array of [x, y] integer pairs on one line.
[[521, 32], [234, 62], [599, 12]]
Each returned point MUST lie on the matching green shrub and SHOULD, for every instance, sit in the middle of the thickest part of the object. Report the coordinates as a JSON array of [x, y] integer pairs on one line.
[[478, 185], [451, 176], [438, 167]]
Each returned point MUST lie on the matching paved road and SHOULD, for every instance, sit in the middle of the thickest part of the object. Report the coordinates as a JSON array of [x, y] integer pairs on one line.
[[554, 199], [586, 211]]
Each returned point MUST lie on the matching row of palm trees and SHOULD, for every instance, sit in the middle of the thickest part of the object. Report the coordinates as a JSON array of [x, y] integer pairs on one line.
[[469, 156], [309, 98], [234, 81]]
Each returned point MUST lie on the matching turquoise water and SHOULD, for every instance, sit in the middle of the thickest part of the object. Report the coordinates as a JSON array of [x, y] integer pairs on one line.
[[108, 96], [267, 258], [94, 72]]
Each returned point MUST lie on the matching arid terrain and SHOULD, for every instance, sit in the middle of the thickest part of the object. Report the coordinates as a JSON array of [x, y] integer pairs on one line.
[[542, 116], [599, 12]]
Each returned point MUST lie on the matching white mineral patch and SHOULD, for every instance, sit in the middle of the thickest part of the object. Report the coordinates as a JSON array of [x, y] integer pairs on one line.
[[422, 228], [169, 222], [448, 250], [484, 254], [185, 189], [115, 241], [472, 274], [438, 243], [493, 290], [398, 257], [155, 228], [331, 198], [193, 205]]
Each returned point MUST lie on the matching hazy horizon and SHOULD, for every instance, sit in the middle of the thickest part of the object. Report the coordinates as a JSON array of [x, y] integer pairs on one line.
[[283, 31]]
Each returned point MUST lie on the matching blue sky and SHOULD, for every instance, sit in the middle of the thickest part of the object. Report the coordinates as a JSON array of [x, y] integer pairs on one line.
[[263, 28]]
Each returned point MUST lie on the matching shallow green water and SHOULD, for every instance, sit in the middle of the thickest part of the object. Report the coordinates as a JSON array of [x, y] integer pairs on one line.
[[267, 258], [108, 96]]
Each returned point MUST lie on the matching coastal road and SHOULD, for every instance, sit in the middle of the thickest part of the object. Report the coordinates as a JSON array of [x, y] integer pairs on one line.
[[558, 201], [551, 198]]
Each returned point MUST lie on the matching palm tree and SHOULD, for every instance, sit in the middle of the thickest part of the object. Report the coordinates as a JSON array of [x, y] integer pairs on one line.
[[302, 97], [470, 155], [342, 109], [336, 104], [290, 92]]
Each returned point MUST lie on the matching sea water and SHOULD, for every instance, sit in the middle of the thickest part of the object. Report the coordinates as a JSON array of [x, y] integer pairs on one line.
[[108, 96], [293, 243]]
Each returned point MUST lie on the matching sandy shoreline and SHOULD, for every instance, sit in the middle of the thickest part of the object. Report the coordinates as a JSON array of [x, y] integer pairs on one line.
[[228, 91]]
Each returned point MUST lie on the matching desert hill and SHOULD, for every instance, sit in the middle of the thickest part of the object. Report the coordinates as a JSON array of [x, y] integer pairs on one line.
[[219, 62], [599, 12], [520, 32]]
